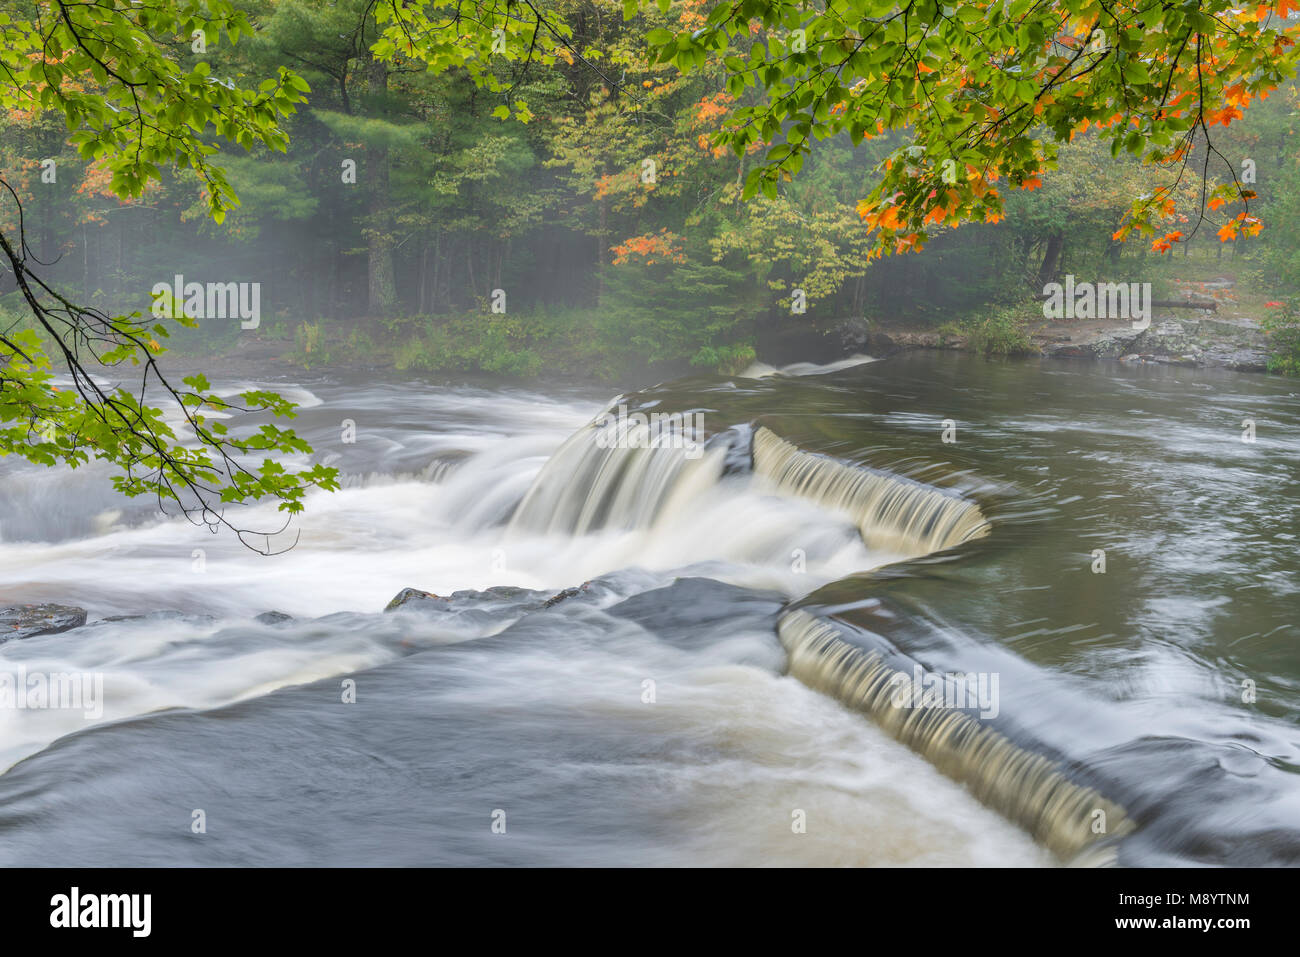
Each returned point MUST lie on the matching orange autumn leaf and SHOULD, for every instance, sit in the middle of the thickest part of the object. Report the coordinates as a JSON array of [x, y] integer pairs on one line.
[[1236, 94], [1224, 116]]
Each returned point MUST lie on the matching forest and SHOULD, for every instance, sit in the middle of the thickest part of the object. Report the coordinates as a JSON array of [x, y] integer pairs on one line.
[[583, 214]]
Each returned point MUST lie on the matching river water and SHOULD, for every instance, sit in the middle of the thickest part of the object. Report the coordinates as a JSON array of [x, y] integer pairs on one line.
[[1098, 541]]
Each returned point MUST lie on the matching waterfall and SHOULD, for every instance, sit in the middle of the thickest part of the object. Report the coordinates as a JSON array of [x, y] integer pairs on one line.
[[1025, 786], [623, 473], [893, 513], [627, 472], [633, 476]]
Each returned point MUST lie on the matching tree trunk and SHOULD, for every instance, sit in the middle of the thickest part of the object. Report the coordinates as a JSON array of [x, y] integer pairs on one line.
[[1051, 264]]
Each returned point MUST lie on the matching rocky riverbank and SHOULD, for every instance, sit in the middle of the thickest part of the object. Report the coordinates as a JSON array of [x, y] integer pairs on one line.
[[1238, 344]]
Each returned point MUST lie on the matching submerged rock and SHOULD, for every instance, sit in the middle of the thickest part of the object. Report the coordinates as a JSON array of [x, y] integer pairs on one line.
[[491, 602], [27, 621], [556, 599], [167, 614], [273, 617]]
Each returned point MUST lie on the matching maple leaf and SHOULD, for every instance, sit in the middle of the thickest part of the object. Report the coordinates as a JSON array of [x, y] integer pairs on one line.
[[1236, 94], [1224, 116]]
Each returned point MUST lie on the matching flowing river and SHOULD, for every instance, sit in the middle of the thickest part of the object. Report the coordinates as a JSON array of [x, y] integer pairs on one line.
[[698, 653]]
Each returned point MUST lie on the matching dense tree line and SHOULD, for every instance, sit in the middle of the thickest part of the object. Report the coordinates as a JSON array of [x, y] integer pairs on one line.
[[587, 199]]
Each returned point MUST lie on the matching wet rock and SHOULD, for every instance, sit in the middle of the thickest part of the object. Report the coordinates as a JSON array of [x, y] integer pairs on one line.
[[695, 612], [273, 617], [27, 621], [497, 593], [498, 603], [474, 614], [412, 596], [169, 614], [567, 593], [738, 441]]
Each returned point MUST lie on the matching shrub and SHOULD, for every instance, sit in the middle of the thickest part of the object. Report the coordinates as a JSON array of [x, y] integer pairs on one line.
[[1283, 328], [1003, 332]]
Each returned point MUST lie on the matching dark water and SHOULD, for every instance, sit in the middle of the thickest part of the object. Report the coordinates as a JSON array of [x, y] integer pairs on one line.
[[647, 718]]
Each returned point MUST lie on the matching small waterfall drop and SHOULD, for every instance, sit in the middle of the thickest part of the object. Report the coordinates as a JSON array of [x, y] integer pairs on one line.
[[1028, 788], [625, 474], [893, 513]]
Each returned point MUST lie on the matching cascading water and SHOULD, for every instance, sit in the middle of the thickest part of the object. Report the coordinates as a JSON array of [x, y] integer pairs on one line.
[[620, 477], [615, 618], [628, 477], [892, 513], [1025, 786]]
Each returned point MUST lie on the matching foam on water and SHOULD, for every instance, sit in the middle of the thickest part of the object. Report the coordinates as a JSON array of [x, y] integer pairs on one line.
[[532, 503]]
